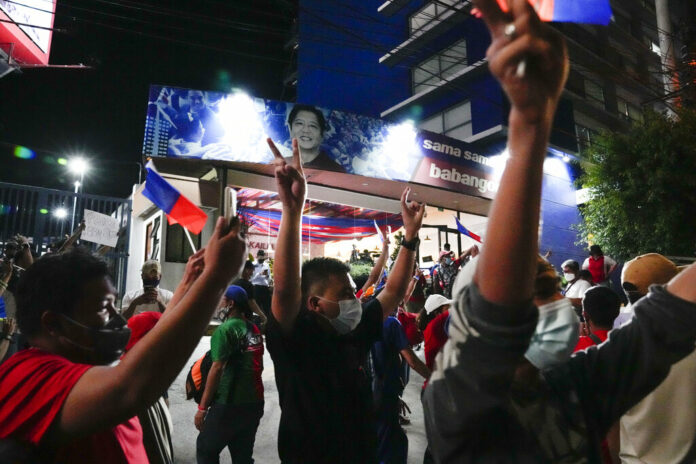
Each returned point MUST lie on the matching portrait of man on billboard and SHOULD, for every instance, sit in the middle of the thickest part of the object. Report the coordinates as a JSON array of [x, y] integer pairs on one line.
[[308, 125]]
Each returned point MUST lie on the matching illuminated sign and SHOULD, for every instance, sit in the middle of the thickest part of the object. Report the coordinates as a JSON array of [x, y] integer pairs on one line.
[[28, 44], [185, 123]]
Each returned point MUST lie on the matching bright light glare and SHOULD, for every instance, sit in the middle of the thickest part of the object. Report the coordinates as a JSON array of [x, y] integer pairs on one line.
[[566, 159], [78, 166], [60, 213], [395, 156], [245, 136], [77, 184]]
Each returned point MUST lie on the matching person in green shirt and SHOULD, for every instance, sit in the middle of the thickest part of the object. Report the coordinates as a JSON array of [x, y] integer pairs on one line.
[[232, 402]]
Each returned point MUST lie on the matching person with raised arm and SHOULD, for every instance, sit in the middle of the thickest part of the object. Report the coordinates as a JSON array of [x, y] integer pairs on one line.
[[63, 395], [501, 375], [319, 335]]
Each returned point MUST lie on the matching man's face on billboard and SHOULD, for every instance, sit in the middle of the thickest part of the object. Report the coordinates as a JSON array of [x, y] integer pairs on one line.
[[196, 100], [305, 128]]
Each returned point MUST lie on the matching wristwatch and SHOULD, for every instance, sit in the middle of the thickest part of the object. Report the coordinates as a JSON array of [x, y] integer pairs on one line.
[[410, 244]]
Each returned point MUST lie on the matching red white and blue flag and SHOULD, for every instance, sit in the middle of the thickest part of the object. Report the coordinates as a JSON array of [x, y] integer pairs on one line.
[[177, 207], [570, 11], [466, 231]]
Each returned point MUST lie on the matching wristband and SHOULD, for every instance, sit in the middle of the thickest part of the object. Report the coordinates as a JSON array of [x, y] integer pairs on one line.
[[8, 337], [202, 409], [410, 245]]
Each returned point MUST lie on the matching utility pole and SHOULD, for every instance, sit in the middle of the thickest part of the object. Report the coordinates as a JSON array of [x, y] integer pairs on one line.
[[670, 74]]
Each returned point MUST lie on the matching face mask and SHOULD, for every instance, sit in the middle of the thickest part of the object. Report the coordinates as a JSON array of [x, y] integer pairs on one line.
[[555, 336], [151, 283], [108, 342], [569, 277], [350, 313], [448, 261]]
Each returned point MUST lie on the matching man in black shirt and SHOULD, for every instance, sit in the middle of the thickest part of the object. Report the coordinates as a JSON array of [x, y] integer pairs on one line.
[[319, 336], [244, 281]]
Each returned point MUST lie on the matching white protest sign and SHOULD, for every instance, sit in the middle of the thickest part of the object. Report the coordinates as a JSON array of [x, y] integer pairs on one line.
[[100, 228]]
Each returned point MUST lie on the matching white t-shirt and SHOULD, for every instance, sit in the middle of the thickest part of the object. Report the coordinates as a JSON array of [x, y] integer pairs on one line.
[[163, 295], [578, 289], [259, 277]]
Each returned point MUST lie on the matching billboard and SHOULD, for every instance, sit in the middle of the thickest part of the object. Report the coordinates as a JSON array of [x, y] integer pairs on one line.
[[26, 29], [188, 123]]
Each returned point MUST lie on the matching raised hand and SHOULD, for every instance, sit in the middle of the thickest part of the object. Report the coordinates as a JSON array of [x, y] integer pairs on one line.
[[194, 266], [292, 186], [226, 251], [412, 214], [528, 57]]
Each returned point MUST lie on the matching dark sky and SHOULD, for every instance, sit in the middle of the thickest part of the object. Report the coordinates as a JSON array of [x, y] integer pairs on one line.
[[101, 112]]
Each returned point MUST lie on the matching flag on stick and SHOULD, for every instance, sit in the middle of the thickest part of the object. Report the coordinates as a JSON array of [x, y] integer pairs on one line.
[[570, 11], [178, 208], [466, 231]]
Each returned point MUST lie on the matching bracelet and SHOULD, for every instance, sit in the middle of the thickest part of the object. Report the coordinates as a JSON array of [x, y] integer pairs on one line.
[[202, 409], [3, 285]]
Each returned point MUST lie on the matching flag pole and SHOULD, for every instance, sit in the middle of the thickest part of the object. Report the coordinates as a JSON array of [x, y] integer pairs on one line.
[[190, 240]]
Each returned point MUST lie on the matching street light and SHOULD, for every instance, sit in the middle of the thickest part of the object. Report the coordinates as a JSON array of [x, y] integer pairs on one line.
[[78, 166]]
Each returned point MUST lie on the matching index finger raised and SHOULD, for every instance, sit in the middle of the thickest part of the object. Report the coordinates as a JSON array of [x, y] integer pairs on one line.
[[491, 13], [273, 148]]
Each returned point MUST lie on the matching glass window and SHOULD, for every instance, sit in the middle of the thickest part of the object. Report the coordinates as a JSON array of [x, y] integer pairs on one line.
[[629, 111], [455, 117], [454, 122], [433, 124], [594, 92], [461, 132], [422, 18], [178, 248], [585, 136], [440, 67]]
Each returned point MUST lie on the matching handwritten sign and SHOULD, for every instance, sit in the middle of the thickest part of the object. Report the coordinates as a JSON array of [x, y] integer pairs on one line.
[[100, 228]]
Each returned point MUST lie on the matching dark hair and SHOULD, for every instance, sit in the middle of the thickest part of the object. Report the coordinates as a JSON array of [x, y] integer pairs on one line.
[[423, 318], [249, 264], [586, 275], [547, 283], [601, 304], [447, 247], [572, 264], [55, 282], [596, 250], [318, 271], [312, 109]]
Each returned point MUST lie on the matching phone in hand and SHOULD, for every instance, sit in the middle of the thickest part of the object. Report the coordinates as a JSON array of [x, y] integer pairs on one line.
[[230, 204]]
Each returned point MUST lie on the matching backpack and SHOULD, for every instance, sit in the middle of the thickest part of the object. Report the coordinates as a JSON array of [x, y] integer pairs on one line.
[[197, 377]]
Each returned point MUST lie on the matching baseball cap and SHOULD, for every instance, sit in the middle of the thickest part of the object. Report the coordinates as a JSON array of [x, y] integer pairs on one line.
[[237, 294], [445, 253], [646, 270], [151, 265], [435, 301], [140, 325]]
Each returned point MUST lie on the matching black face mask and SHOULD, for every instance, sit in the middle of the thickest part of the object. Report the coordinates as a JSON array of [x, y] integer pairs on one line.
[[108, 342], [154, 283]]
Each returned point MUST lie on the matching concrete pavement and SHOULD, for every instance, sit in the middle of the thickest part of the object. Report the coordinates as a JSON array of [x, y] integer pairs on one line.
[[265, 449]]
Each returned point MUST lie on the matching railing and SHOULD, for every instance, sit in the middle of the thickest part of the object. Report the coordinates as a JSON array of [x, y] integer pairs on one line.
[[31, 212]]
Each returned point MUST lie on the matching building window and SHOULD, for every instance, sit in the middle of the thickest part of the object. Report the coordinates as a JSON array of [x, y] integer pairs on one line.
[[585, 136], [454, 122], [178, 247], [594, 92], [440, 67], [629, 111], [426, 18]]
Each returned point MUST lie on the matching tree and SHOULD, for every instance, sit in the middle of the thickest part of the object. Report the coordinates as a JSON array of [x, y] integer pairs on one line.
[[643, 188]]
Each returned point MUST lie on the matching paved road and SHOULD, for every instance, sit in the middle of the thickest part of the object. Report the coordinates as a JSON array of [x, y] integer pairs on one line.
[[265, 449]]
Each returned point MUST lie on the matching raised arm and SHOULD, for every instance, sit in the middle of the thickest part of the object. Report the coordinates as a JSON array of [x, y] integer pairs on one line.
[[532, 66], [122, 391], [292, 190], [378, 267], [397, 283]]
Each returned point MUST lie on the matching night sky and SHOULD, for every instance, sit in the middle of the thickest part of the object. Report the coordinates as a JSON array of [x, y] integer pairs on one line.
[[100, 112]]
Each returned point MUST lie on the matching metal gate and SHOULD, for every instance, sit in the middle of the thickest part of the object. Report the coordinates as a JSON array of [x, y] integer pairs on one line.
[[31, 211]]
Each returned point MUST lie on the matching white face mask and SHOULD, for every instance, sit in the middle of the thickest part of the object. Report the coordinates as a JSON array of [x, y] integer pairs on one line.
[[555, 336], [350, 313], [569, 277]]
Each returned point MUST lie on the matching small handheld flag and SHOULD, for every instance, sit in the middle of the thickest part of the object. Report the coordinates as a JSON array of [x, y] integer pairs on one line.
[[570, 11], [177, 207], [466, 231], [379, 231]]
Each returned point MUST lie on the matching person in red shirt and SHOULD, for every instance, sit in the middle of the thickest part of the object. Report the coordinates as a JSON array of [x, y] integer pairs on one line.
[[63, 395], [432, 321], [600, 306]]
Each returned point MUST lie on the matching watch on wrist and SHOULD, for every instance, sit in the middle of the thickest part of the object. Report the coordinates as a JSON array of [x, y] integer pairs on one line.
[[410, 244]]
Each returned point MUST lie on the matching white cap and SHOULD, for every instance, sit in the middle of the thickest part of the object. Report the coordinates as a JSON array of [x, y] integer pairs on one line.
[[435, 301]]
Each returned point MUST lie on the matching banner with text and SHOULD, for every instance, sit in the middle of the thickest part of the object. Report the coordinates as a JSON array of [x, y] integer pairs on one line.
[[187, 123]]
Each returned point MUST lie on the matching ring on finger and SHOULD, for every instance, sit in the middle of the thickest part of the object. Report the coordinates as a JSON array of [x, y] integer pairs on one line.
[[510, 30]]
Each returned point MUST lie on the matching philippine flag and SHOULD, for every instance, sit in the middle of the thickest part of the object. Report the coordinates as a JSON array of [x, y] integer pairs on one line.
[[570, 11], [466, 231], [177, 207]]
